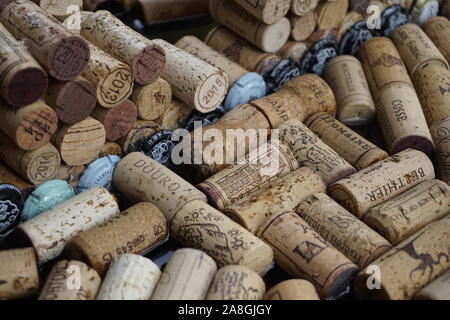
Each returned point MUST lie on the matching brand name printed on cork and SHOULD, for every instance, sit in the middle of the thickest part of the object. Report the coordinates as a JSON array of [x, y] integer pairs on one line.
[[60, 282], [157, 175]]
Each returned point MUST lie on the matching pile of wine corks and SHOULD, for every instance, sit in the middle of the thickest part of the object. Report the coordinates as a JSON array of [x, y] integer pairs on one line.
[[93, 115]]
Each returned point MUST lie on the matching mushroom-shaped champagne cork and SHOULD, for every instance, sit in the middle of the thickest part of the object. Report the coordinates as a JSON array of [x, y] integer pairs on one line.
[[98, 173], [63, 54], [438, 30], [294, 289], [186, 276], [266, 11], [303, 7], [439, 289]]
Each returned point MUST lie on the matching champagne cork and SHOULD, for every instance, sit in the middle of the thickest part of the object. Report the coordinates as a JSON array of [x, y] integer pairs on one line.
[[220, 237], [303, 7], [8, 176], [141, 178], [130, 277], [438, 30], [398, 218], [441, 135], [110, 5], [411, 265], [71, 280], [416, 49], [331, 13], [236, 283], [294, 50], [195, 82], [22, 80], [134, 230], [110, 149], [140, 130], [19, 273], [310, 151], [303, 253], [343, 230], [346, 77], [61, 9], [112, 79], [30, 127], [302, 26], [283, 194], [165, 10], [266, 11], [356, 150], [62, 53], [186, 276], [175, 115], [294, 289], [439, 289], [152, 100], [237, 181], [36, 166], [81, 142], [145, 58], [71, 174], [50, 231], [268, 38], [382, 181], [73, 101]]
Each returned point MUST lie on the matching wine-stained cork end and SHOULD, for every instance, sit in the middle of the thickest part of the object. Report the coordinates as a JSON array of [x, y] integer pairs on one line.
[[119, 120], [148, 65], [420, 143], [26, 87]]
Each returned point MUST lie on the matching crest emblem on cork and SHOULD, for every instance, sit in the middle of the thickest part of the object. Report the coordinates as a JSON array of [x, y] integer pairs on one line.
[[387, 60]]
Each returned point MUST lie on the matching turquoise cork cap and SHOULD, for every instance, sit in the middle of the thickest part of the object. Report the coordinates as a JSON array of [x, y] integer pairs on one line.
[[98, 173], [249, 87]]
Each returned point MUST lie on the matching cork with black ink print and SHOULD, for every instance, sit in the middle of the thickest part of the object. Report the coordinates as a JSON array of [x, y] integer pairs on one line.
[[293, 289], [266, 11], [439, 289], [152, 100], [441, 135], [303, 7], [438, 30]]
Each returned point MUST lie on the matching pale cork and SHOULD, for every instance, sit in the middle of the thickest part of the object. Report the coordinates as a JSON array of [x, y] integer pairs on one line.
[[140, 130], [302, 26], [294, 289], [175, 116], [331, 13], [303, 7], [441, 136], [266, 11], [439, 289], [438, 30], [152, 100], [61, 9]]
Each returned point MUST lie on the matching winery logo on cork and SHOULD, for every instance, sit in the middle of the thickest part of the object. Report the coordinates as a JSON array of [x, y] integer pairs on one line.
[[387, 60]]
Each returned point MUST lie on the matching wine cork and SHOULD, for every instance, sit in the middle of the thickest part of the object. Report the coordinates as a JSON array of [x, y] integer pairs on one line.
[[8, 176], [343, 230], [61, 9], [302, 26], [110, 5], [73, 101], [158, 10], [158, 184], [74, 21], [350, 19], [30, 127], [152, 100], [438, 30], [268, 38], [398, 218], [294, 50], [331, 13], [110, 149], [112, 79], [266, 11], [22, 80], [359, 5], [346, 77], [220, 237], [81, 142], [50, 231], [140, 130], [441, 135], [237, 181], [175, 115], [145, 58], [236, 283], [303, 253], [130, 277], [439, 289], [281, 195], [445, 9], [294, 289], [310, 151], [416, 49], [36, 166], [382, 181], [303, 7], [71, 174], [19, 273], [71, 280], [358, 151], [195, 82], [411, 265], [424, 10], [62, 53], [134, 230]]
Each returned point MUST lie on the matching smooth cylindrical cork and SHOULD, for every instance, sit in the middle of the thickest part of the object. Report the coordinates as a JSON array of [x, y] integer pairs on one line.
[[331, 13], [30, 127], [439, 289], [153, 11], [135, 230], [71, 280], [303, 7], [303, 253], [416, 49], [355, 106], [112, 79], [22, 80], [60, 9], [410, 266], [140, 130], [156, 184], [294, 289], [152, 100], [187, 276], [175, 116], [398, 218], [220, 237], [302, 26], [80, 143], [130, 277], [269, 38], [441, 135], [359, 152], [281, 195], [145, 58], [194, 81], [73, 101], [50, 231], [382, 181], [343, 230], [266, 11], [237, 181], [438, 30], [236, 283], [19, 273], [111, 149], [62, 53], [8, 176], [310, 151], [294, 50]]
